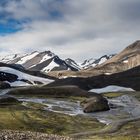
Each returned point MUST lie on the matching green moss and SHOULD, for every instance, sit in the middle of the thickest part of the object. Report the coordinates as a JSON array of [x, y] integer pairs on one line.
[[36, 106], [35, 119], [136, 95], [112, 94], [112, 138], [129, 131]]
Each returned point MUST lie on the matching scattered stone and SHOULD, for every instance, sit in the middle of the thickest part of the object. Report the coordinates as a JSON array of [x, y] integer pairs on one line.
[[27, 135]]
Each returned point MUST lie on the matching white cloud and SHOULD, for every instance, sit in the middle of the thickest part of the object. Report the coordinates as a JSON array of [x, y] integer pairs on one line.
[[88, 28]]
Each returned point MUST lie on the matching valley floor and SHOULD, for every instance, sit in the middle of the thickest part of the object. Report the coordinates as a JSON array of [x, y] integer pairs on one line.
[[40, 117]]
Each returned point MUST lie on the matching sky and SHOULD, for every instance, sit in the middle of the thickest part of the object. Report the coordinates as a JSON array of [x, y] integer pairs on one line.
[[77, 29]]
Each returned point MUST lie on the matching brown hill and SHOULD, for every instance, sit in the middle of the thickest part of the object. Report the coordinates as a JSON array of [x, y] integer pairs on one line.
[[125, 60]]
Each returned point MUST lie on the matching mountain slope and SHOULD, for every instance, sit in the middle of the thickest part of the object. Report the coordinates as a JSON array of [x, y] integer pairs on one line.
[[95, 62], [127, 59], [41, 61], [129, 78], [50, 63], [16, 76]]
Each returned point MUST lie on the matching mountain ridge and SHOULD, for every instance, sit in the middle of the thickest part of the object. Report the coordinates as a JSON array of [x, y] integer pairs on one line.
[[47, 61]]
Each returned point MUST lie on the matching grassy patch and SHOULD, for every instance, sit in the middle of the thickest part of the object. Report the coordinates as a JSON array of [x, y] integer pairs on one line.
[[18, 117], [112, 138], [130, 131], [112, 94]]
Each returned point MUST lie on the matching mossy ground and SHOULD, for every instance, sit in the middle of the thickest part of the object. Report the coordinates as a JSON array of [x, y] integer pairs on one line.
[[112, 138], [18, 117], [112, 94], [130, 131], [33, 118]]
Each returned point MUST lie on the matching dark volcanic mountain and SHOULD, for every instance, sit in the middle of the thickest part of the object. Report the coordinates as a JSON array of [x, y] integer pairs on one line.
[[129, 78]]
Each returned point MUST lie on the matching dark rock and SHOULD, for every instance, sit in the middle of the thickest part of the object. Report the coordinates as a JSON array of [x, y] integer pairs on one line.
[[18, 66], [26, 81], [38, 82], [4, 76], [8, 100], [4, 85], [95, 104]]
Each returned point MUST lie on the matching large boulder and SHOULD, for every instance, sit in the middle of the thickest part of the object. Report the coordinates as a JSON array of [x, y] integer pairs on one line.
[[95, 104], [4, 85]]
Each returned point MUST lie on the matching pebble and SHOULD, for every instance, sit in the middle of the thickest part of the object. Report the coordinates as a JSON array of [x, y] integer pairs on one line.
[[27, 135]]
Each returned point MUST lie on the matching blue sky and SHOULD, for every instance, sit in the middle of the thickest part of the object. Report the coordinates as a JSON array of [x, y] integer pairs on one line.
[[78, 29], [11, 26]]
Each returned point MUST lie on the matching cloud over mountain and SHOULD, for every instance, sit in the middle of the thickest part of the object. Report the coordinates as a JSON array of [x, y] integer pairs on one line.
[[70, 28]]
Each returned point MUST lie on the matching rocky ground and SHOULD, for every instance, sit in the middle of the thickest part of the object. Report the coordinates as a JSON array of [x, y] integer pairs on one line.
[[22, 135]]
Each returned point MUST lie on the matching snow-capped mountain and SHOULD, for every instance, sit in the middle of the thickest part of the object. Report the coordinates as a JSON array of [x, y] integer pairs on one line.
[[95, 62], [47, 61], [11, 58], [41, 61], [71, 62]]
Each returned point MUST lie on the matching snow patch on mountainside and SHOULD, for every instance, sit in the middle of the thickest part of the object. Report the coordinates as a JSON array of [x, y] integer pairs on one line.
[[46, 61], [8, 58], [111, 88], [46, 57], [125, 61], [25, 76], [94, 62], [28, 57], [50, 67], [102, 60], [73, 63], [19, 84], [39, 61]]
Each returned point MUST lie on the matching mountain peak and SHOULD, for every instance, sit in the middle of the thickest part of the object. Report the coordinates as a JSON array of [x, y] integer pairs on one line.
[[135, 45], [48, 53], [41, 61]]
